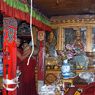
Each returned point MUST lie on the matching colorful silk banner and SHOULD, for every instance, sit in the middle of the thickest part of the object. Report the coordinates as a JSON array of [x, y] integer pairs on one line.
[[9, 51]]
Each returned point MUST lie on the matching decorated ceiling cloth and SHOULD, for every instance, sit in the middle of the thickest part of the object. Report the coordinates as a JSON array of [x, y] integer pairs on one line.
[[19, 10]]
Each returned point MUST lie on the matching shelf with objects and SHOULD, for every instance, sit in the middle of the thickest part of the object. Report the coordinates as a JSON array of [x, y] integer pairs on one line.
[[51, 58], [70, 56]]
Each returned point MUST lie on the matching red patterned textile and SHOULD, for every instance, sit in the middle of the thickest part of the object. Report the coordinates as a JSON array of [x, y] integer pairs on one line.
[[27, 84], [9, 51], [41, 61], [89, 89]]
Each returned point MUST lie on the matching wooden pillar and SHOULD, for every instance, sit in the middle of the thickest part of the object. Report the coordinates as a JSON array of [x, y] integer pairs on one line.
[[9, 51], [89, 39], [35, 30], [41, 62], [60, 39]]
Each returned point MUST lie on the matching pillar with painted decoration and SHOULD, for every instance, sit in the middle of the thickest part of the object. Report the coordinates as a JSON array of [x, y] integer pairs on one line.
[[9, 55]]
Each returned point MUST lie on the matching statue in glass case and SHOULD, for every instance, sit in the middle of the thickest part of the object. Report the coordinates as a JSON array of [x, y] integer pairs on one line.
[[51, 45], [80, 58]]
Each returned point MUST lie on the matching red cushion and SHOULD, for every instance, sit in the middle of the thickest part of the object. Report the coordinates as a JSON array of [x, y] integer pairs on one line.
[[89, 89]]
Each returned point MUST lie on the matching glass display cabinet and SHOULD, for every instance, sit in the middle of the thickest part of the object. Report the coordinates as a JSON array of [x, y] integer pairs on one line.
[[78, 31]]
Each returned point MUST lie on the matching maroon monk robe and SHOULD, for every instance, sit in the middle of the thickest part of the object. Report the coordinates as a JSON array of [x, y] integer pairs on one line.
[[27, 84]]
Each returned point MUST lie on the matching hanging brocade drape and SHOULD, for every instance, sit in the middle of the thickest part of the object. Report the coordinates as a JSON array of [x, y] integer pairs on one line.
[[21, 11]]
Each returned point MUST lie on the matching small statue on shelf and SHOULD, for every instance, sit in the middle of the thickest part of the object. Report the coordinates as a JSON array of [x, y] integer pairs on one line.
[[80, 58], [78, 43]]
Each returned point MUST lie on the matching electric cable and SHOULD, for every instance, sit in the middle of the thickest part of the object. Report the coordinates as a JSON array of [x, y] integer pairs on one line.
[[31, 34]]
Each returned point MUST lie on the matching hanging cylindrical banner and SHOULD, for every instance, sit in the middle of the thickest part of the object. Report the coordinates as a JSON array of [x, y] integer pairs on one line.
[[41, 55], [41, 35], [9, 57]]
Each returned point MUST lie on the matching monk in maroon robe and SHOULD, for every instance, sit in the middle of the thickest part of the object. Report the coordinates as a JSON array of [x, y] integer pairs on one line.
[[27, 85]]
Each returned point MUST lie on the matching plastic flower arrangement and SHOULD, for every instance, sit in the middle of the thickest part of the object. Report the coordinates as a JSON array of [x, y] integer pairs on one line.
[[75, 54]]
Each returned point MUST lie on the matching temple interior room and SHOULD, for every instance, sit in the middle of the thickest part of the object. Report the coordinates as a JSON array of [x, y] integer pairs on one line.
[[47, 47]]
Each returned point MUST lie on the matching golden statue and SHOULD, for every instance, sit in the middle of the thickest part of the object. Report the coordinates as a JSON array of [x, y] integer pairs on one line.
[[78, 42], [51, 45]]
